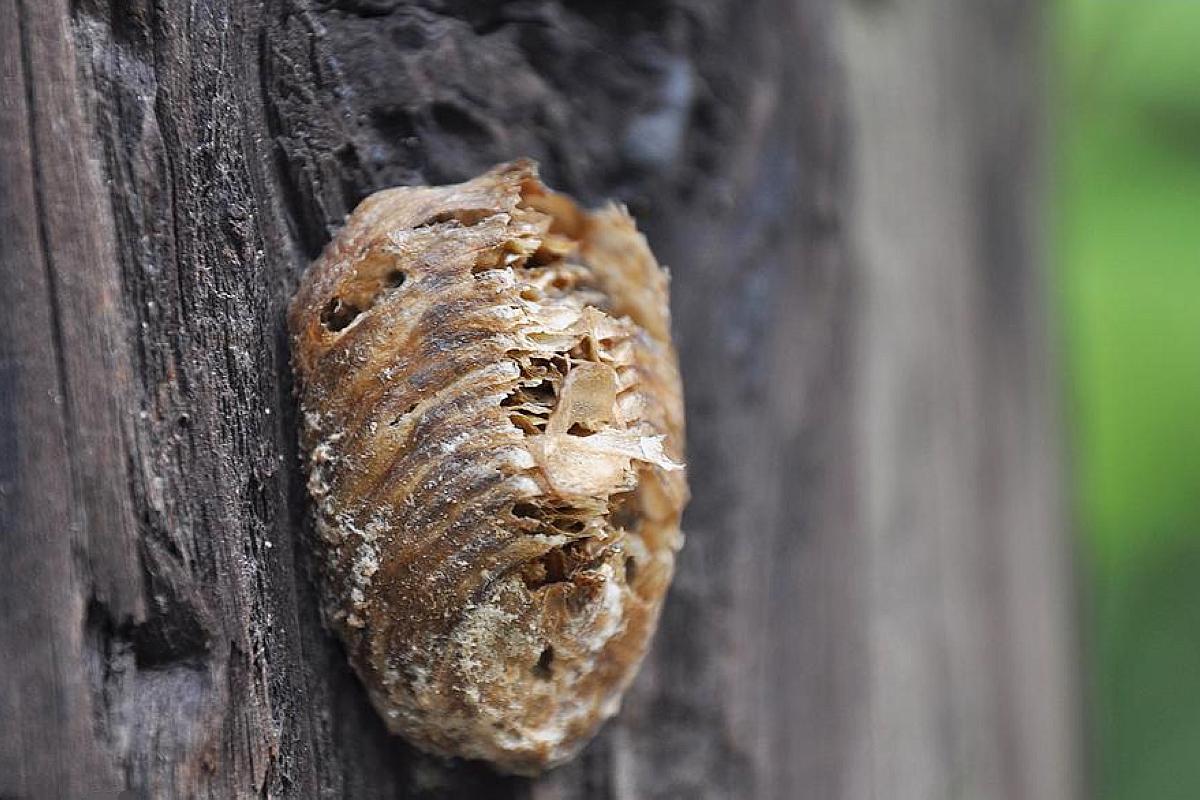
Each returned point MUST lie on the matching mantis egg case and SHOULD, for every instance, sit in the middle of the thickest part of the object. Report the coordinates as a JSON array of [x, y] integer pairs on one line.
[[493, 427]]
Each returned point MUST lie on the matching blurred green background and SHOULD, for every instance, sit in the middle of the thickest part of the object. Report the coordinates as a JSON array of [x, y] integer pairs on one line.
[[1127, 123]]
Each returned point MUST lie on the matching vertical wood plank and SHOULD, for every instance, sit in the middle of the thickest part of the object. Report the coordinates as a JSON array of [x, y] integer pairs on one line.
[[971, 656], [871, 602], [69, 538]]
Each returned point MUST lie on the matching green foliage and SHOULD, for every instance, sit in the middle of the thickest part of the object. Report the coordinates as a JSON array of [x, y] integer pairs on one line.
[[1128, 170]]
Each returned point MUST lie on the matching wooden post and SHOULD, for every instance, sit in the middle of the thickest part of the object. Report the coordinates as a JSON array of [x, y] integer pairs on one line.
[[874, 596]]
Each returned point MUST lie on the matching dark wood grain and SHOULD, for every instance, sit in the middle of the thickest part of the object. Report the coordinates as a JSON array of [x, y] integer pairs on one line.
[[873, 598]]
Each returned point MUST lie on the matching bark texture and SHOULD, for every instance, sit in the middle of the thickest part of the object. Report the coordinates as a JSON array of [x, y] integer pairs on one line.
[[872, 598]]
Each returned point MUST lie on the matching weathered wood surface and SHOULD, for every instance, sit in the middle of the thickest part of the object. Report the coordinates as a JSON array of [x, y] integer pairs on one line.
[[872, 599], [971, 661]]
